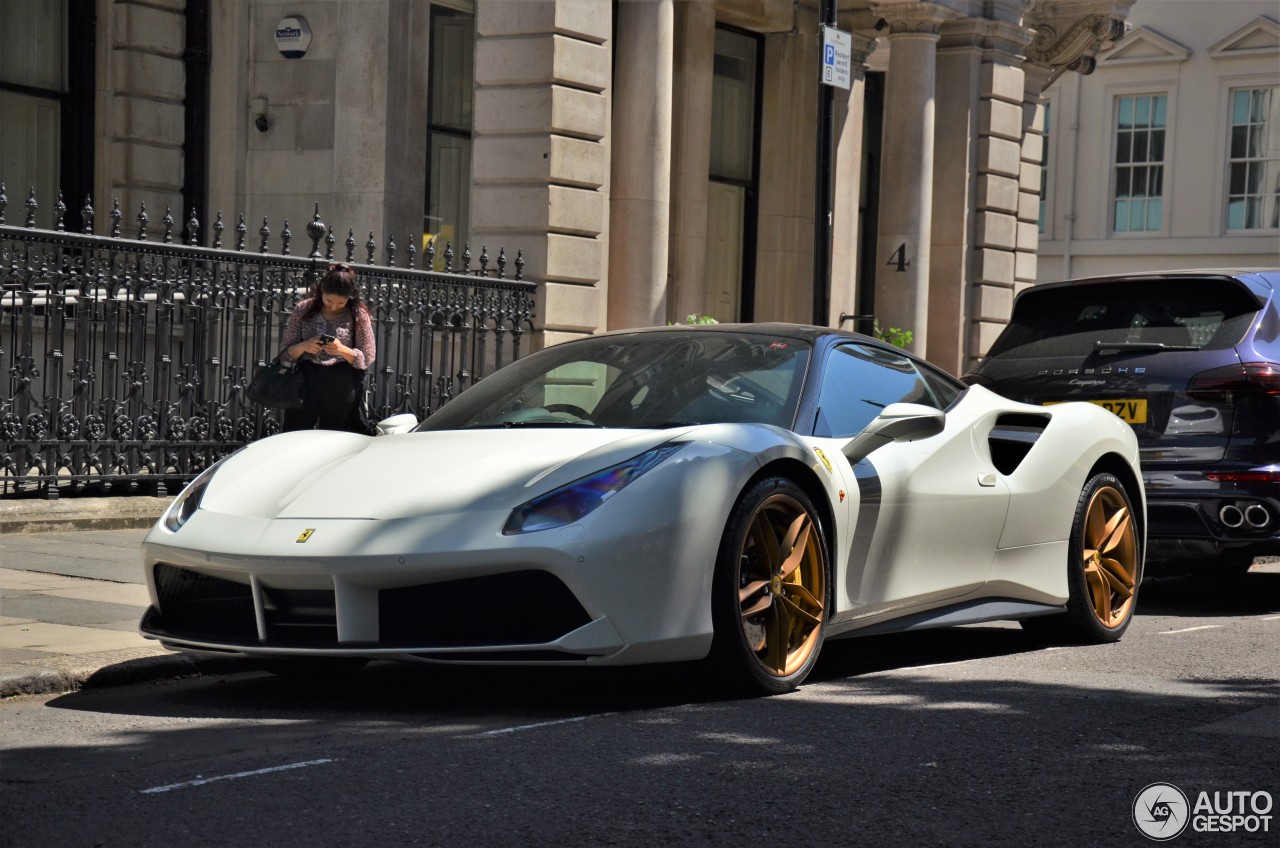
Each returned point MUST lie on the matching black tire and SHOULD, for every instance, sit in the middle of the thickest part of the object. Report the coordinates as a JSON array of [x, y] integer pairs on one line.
[[771, 590], [1104, 568]]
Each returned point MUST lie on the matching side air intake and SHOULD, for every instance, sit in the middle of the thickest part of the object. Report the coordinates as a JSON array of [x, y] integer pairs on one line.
[[1012, 439]]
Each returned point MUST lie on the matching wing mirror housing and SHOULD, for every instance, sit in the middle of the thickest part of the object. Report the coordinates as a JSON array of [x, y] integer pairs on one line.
[[402, 423], [898, 422]]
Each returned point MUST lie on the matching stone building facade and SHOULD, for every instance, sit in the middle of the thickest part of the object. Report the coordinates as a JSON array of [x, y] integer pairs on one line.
[[1168, 155], [652, 159]]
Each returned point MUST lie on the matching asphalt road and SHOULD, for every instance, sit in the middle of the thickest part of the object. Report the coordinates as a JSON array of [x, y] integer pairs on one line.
[[962, 737]]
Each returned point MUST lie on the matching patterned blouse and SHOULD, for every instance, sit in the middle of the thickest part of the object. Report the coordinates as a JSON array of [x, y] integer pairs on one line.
[[343, 328]]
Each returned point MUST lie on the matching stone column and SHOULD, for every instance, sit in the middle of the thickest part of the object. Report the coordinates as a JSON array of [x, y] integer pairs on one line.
[[639, 205], [695, 20], [540, 155], [848, 187], [906, 193], [141, 85]]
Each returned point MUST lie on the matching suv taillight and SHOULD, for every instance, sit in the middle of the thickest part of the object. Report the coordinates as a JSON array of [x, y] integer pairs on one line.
[[1251, 377]]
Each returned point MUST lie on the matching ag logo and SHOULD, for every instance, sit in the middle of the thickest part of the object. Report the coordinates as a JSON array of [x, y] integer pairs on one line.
[[1161, 811]]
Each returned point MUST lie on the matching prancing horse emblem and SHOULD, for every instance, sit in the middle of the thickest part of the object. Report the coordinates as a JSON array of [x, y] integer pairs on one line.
[[306, 534]]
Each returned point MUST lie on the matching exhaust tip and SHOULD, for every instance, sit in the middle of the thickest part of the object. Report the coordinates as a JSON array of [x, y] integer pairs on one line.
[[1257, 515], [1231, 516]]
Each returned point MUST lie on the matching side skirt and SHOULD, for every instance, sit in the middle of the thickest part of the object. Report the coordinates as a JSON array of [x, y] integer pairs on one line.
[[971, 612]]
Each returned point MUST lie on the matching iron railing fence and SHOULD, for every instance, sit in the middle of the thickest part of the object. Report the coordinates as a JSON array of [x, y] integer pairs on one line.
[[127, 359]]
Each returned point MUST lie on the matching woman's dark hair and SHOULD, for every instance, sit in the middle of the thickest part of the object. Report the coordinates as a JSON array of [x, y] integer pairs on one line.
[[340, 279]]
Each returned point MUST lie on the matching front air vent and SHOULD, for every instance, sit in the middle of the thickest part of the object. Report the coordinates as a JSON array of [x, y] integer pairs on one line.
[[517, 608], [1013, 437]]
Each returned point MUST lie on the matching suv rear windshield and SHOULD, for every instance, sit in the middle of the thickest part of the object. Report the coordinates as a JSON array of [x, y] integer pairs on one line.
[[1070, 321]]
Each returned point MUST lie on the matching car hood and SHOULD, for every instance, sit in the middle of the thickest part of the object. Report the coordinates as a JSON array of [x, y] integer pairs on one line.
[[326, 474]]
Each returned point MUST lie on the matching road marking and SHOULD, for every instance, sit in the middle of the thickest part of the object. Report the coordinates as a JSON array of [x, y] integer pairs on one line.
[[1189, 629], [518, 728], [201, 781], [1272, 618]]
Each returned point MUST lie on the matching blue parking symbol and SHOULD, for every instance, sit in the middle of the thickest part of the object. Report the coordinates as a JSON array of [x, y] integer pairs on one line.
[[830, 57]]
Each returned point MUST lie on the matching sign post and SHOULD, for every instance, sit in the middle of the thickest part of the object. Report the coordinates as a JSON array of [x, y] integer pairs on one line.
[[836, 72]]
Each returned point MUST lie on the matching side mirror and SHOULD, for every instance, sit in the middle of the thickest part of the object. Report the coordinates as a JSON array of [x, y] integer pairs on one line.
[[899, 422], [402, 423]]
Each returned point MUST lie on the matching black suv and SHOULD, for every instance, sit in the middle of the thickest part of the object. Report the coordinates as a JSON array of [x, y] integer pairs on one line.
[[1192, 361]]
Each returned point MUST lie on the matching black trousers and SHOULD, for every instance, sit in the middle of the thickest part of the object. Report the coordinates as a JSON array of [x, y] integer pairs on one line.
[[334, 399]]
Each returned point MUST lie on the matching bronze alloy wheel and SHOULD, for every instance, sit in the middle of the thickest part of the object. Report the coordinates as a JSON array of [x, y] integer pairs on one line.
[[1110, 556], [782, 585]]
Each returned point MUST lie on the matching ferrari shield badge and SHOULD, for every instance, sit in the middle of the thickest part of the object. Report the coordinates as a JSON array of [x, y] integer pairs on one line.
[[822, 456], [306, 534]]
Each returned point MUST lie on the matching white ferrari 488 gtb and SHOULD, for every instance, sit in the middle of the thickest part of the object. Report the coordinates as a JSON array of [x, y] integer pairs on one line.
[[729, 493]]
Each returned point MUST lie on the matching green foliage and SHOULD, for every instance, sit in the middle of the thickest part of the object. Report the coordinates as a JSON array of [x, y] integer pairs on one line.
[[893, 335], [697, 319]]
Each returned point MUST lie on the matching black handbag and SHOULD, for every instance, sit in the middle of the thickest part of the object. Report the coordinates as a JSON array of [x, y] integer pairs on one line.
[[278, 386]]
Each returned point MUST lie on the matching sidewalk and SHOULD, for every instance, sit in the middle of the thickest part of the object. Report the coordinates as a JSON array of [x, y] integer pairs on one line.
[[71, 595]]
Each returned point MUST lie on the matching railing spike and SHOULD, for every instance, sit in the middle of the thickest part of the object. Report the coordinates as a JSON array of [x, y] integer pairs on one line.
[[370, 246], [31, 209], [116, 217], [86, 215], [285, 235], [329, 241], [4, 203], [315, 232], [431, 254], [484, 260], [448, 257], [265, 232], [142, 222], [167, 220], [218, 227], [351, 245], [411, 250], [519, 264], [466, 259], [60, 214], [502, 264], [242, 233], [193, 228], [391, 250]]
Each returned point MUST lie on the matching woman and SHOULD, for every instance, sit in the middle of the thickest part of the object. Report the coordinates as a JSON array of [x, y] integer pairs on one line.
[[330, 336]]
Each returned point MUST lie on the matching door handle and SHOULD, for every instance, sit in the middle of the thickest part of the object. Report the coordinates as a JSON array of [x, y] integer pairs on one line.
[[986, 480]]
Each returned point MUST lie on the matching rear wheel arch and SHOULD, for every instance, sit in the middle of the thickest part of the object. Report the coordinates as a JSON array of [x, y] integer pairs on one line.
[[1116, 465]]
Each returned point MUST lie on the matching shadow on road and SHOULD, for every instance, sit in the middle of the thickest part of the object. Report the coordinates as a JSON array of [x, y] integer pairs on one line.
[[1256, 593]]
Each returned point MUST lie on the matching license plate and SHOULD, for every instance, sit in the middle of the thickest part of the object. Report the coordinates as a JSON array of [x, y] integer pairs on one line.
[[1130, 410]]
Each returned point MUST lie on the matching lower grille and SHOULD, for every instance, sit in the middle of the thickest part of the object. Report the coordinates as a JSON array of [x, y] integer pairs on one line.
[[519, 608], [199, 606], [300, 616]]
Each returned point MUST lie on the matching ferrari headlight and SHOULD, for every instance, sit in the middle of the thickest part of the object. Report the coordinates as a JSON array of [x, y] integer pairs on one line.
[[571, 502], [188, 500]]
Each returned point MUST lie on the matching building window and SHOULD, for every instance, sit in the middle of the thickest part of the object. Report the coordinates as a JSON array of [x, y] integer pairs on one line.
[[32, 86], [1139, 169], [1253, 181], [448, 191], [1044, 167]]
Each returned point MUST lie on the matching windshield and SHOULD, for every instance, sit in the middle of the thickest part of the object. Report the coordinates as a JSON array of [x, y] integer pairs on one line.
[[640, 381], [1080, 320]]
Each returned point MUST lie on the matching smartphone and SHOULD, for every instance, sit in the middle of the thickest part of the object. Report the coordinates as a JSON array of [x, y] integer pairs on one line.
[[325, 338]]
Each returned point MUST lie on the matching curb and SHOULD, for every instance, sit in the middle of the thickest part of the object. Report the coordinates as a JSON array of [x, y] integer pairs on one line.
[[47, 681], [124, 513]]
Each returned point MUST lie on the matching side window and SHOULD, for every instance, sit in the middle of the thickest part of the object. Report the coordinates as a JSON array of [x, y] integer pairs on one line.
[[858, 382], [944, 389]]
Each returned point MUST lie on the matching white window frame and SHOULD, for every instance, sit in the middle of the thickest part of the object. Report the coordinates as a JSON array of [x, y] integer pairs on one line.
[[1229, 86], [1147, 89]]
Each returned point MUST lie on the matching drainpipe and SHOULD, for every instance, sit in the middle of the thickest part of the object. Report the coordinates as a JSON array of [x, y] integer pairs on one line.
[[1071, 181]]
